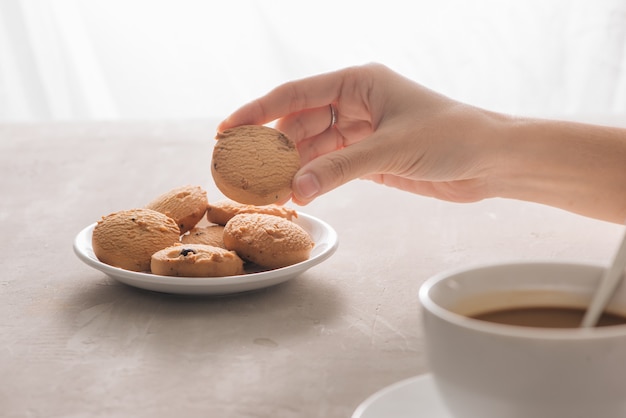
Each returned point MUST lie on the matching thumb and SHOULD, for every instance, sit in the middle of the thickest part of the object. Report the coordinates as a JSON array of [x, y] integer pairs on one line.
[[331, 170]]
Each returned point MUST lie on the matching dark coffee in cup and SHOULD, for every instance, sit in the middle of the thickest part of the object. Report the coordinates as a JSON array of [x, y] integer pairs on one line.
[[546, 317]]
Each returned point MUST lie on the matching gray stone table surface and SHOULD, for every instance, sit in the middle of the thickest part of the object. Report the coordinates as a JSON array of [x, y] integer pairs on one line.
[[76, 343]]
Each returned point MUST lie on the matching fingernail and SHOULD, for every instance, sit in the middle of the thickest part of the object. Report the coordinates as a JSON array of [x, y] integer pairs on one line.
[[307, 185]]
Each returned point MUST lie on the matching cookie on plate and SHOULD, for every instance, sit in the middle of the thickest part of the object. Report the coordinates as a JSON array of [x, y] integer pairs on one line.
[[267, 240], [185, 204], [127, 239], [196, 260], [222, 211], [208, 235]]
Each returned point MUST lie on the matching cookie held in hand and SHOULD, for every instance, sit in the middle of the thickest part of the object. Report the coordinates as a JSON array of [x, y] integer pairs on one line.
[[254, 164]]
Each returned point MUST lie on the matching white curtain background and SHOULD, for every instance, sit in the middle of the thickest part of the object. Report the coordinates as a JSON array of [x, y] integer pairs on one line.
[[165, 59]]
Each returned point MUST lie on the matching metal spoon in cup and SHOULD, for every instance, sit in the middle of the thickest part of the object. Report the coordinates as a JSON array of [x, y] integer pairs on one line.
[[611, 278]]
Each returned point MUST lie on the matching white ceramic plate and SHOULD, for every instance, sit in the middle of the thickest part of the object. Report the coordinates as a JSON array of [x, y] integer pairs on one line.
[[323, 235], [415, 397]]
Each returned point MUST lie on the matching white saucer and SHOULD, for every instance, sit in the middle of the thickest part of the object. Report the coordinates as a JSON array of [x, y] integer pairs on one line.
[[411, 398], [323, 235]]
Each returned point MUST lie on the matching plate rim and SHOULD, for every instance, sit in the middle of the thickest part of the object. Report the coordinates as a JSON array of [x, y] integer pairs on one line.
[[210, 285]]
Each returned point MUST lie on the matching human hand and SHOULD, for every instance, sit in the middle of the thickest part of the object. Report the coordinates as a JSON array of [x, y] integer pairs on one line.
[[388, 129]]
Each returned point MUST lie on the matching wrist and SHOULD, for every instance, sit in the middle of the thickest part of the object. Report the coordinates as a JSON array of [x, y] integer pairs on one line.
[[576, 167]]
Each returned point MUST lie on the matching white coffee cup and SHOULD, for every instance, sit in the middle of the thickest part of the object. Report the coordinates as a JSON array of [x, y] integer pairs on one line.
[[489, 370]]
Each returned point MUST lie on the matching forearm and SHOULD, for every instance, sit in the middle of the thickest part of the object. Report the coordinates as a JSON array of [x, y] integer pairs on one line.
[[577, 167]]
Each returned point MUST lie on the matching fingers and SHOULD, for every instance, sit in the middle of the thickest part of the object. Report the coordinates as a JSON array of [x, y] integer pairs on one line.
[[324, 143], [333, 169], [286, 99], [305, 124]]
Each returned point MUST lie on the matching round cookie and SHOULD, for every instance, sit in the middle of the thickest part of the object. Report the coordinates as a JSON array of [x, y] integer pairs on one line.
[[208, 235], [221, 212], [127, 239], [186, 205], [254, 164], [267, 240], [196, 260]]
